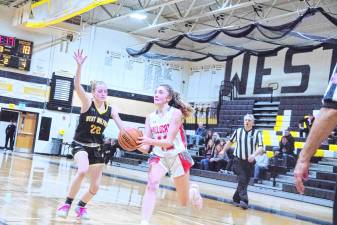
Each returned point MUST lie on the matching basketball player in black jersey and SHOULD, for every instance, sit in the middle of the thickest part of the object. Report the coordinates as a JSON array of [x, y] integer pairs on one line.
[[94, 118]]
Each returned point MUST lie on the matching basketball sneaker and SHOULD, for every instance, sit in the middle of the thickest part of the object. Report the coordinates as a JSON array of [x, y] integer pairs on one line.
[[144, 222], [63, 210], [81, 213], [195, 196]]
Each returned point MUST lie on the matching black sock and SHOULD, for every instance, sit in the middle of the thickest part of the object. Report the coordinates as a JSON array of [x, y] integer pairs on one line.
[[69, 200], [81, 203]]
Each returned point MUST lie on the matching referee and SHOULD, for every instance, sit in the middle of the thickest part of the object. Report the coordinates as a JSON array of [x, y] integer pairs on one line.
[[321, 128], [248, 146]]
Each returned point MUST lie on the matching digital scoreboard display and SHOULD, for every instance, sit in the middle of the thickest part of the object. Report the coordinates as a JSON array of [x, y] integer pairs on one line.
[[15, 53]]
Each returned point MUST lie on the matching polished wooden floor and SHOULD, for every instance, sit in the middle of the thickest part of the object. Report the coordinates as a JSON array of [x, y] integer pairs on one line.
[[32, 186]]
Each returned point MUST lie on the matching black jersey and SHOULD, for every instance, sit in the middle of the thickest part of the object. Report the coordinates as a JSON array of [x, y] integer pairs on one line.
[[92, 124]]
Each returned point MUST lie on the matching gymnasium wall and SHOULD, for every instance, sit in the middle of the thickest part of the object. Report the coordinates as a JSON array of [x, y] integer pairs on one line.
[[293, 73], [107, 59], [131, 82]]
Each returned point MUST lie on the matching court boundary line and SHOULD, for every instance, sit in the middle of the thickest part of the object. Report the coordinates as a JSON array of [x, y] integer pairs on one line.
[[208, 196]]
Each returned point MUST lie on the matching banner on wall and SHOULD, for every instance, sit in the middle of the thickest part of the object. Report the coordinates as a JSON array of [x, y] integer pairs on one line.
[[24, 90], [287, 73]]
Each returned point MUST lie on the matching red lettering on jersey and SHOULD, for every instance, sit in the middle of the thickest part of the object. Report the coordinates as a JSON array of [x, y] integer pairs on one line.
[[162, 129]]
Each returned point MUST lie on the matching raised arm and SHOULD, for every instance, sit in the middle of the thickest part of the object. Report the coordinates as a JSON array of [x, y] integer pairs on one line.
[[85, 100]]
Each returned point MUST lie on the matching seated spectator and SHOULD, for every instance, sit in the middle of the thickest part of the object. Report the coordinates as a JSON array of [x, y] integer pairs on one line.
[[204, 163], [332, 139], [286, 149], [109, 149], [229, 167], [199, 135], [216, 137], [208, 136], [305, 125], [261, 166], [219, 157]]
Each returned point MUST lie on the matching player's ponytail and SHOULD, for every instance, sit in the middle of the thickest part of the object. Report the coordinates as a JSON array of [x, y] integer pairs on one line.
[[177, 101]]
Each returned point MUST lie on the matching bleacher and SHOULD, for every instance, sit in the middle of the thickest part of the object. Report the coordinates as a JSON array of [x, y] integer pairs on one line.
[[231, 115]]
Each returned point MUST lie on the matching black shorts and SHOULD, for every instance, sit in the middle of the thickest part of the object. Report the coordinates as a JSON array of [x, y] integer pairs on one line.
[[95, 154]]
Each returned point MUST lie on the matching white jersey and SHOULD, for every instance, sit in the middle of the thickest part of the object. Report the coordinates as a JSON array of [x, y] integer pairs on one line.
[[159, 128]]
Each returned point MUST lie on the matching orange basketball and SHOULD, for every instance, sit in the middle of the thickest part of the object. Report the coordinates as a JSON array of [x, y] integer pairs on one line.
[[127, 138]]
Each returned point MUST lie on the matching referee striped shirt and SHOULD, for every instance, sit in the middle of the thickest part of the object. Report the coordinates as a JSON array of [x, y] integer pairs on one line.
[[246, 142], [330, 96]]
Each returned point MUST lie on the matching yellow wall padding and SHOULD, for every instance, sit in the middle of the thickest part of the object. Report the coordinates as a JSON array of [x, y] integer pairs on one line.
[[319, 153], [6, 86], [270, 154], [279, 122], [299, 144], [333, 148], [35, 91], [266, 137]]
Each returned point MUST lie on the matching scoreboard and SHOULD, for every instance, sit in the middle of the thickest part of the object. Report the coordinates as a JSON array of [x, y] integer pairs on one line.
[[15, 53]]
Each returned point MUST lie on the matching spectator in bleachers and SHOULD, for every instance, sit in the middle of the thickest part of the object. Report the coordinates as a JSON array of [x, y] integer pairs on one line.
[[261, 166], [286, 149], [199, 135], [228, 169], [305, 125], [209, 135], [109, 149], [219, 157], [216, 137], [204, 163]]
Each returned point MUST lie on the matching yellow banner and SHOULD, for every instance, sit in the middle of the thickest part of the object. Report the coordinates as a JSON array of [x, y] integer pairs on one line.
[[50, 12]]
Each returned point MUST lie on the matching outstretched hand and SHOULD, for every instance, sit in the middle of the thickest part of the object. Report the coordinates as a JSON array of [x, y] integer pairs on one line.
[[79, 57]]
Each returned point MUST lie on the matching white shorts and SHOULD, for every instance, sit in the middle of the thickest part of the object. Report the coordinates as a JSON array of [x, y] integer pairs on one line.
[[177, 165]]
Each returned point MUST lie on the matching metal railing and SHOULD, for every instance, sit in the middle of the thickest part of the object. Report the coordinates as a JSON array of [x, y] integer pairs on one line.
[[209, 116]]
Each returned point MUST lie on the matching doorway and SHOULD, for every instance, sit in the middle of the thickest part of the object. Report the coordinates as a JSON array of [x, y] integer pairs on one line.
[[7, 117], [26, 123]]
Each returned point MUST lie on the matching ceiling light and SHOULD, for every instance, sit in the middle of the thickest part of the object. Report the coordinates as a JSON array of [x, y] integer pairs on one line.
[[138, 16]]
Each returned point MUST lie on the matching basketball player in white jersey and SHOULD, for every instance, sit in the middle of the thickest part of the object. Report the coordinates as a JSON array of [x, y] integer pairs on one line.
[[164, 131]]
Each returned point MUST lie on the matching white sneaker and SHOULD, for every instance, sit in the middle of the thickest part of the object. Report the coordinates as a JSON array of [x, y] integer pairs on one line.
[[144, 222], [195, 196]]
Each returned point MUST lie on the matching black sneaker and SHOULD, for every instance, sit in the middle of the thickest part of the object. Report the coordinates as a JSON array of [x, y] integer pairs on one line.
[[243, 205], [237, 204]]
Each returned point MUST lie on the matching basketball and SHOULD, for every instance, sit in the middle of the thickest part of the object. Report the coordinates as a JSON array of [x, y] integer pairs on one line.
[[127, 138]]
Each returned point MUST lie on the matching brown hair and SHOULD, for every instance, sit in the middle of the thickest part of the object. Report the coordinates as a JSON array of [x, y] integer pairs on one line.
[[177, 102], [94, 83]]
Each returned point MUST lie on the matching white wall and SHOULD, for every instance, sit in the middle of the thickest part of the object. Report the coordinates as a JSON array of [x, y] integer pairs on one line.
[[101, 45]]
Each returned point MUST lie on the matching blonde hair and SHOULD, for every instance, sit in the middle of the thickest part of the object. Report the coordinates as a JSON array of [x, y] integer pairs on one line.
[[95, 83], [177, 102]]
